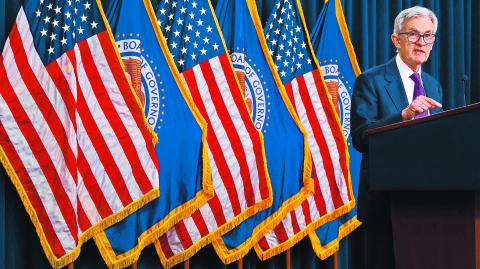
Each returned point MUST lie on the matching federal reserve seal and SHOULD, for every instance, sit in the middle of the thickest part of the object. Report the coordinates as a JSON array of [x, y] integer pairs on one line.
[[340, 96], [253, 89], [138, 67]]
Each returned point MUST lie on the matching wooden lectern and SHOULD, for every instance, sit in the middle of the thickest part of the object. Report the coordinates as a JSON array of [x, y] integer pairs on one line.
[[431, 169]]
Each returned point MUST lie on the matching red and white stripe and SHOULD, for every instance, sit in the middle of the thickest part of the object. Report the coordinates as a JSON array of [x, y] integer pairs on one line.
[[77, 160], [236, 155], [330, 162]]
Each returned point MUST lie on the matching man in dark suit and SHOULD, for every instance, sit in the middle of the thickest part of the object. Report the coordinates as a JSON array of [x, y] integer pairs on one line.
[[393, 92]]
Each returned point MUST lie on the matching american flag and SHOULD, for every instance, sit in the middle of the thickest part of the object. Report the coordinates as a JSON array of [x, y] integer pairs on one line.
[[73, 137], [290, 48], [236, 151]]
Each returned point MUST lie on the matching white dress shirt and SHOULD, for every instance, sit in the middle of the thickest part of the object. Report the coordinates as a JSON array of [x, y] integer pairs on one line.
[[405, 73]]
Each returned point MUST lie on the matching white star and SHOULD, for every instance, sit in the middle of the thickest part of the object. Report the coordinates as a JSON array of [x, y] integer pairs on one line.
[[215, 46], [183, 10], [292, 69], [80, 30], [87, 5], [192, 15], [57, 10], [206, 40], [203, 51], [174, 4], [167, 28], [285, 63], [203, 11], [284, 36], [162, 11], [63, 41], [180, 21], [299, 65], [43, 32], [200, 22], [274, 42], [181, 62], [209, 29], [50, 50], [176, 33], [290, 43], [303, 45], [282, 47], [69, 2], [279, 57], [300, 55], [288, 53], [47, 19], [183, 50], [283, 10], [38, 13], [50, 6], [195, 44], [83, 17], [173, 45], [297, 29], [309, 61], [194, 4], [283, 74], [41, 2], [277, 31], [280, 21], [271, 51], [68, 14], [55, 23], [94, 25], [197, 33], [189, 27], [170, 16], [295, 39], [186, 38], [193, 56]]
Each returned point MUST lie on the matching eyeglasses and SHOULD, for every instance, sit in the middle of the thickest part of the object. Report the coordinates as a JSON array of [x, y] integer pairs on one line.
[[414, 37]]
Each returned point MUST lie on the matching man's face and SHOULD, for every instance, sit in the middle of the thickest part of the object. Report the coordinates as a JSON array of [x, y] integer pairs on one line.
[[414, 53]]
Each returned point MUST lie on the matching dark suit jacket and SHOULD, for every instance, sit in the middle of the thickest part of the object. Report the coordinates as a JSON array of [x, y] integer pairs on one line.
[[378, 99]]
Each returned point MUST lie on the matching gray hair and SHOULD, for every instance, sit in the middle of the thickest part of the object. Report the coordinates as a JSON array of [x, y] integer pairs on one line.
[[413, 12]]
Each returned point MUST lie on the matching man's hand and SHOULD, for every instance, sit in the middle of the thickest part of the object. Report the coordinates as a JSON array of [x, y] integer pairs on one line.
[[419, 105]]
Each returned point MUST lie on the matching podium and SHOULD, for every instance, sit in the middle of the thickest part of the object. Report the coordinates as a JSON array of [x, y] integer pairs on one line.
[[431, 169]]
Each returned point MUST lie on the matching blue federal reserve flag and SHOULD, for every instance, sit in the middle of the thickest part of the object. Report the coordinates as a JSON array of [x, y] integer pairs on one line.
[[185, 178], [286, 146], [334, 50]]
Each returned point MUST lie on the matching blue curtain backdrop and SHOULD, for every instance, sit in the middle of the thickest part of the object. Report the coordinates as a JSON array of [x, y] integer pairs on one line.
[[454, 61]]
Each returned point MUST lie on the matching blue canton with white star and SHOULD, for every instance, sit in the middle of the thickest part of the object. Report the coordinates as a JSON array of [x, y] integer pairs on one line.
[[287, 42], [190, 31], [57, 25]]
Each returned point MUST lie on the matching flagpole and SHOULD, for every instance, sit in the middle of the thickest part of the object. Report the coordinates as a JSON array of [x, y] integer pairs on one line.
[[70, 266], [288, 258], [335, 260], [240, 264], [186, 264], [135, 265]]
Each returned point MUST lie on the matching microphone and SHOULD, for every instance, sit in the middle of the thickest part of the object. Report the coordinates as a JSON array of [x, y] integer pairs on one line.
[[464, 87]]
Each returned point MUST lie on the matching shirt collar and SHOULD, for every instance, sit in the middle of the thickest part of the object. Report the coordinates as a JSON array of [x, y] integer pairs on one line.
[[405, 71]]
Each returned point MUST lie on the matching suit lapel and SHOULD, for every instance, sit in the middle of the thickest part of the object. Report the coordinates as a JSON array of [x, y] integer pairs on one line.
[[428, 86], [394, 85]]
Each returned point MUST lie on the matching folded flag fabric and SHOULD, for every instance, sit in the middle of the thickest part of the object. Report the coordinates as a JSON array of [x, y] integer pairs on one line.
[[74, 139], [290, 47], [239, 172], [286, 146], [185, 178], [335, 53]]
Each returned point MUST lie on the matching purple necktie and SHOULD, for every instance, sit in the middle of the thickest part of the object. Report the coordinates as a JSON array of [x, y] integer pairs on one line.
[[417, 91]]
